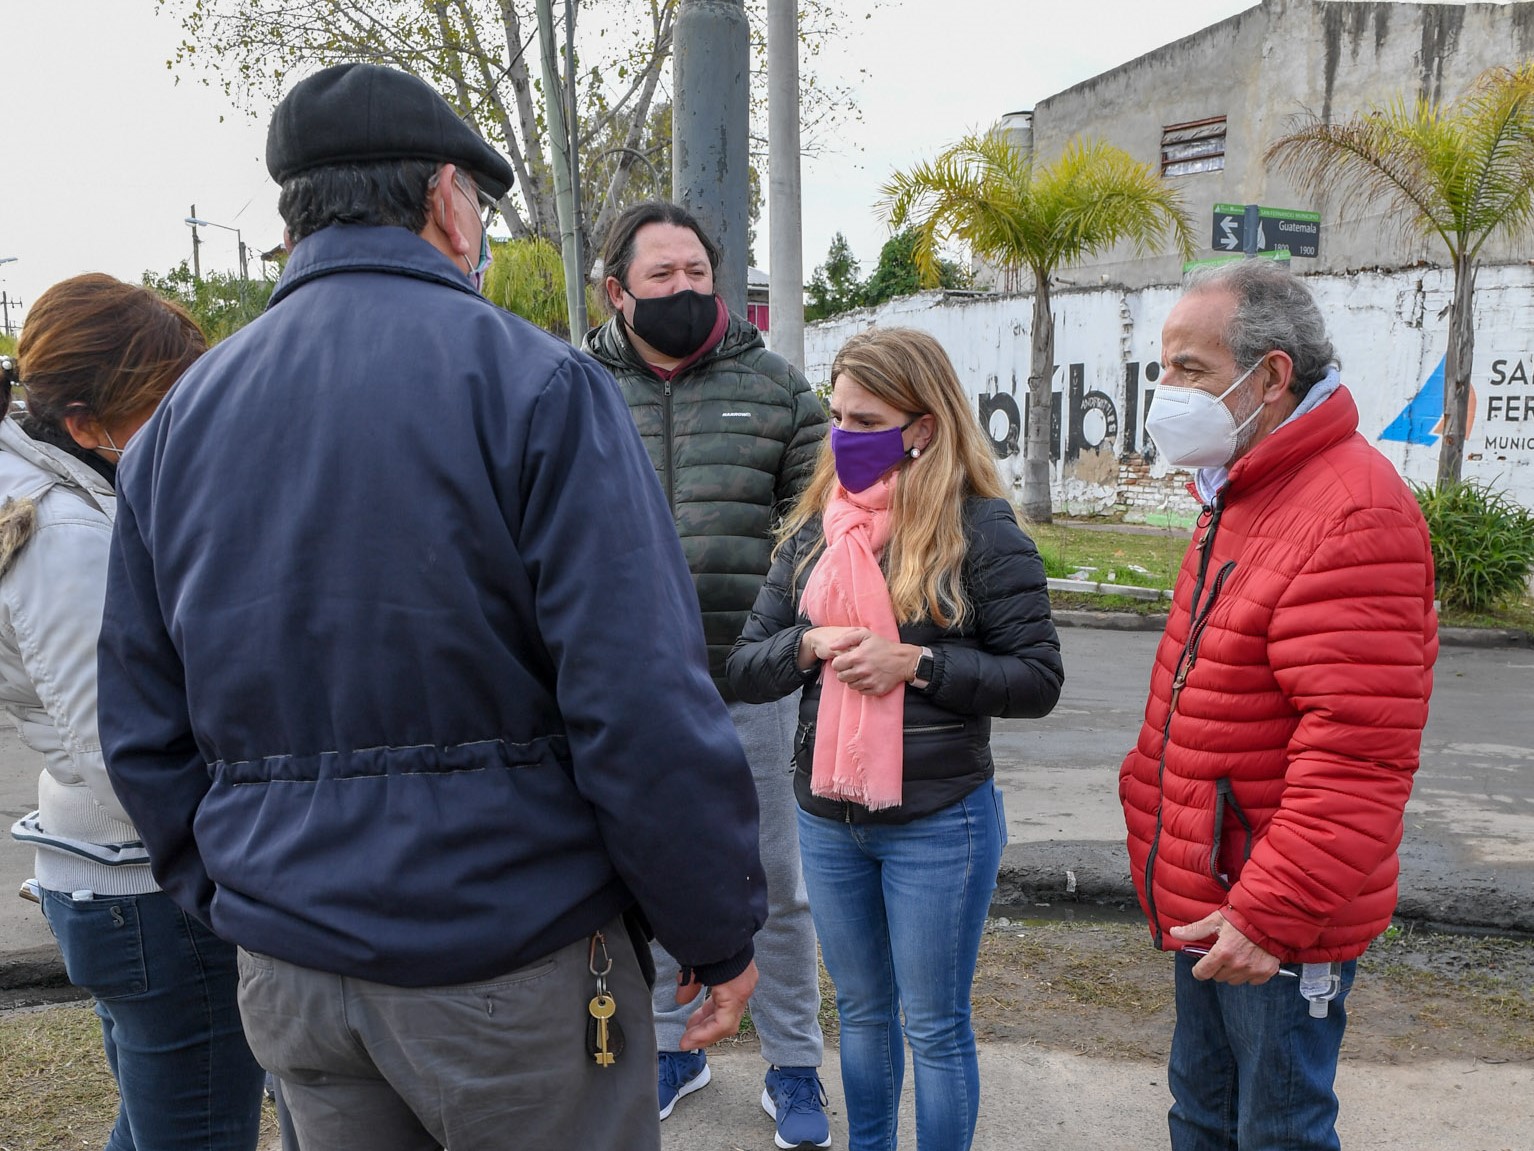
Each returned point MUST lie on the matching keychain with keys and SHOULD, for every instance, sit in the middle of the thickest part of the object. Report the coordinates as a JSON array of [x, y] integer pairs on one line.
[[604, 1038]]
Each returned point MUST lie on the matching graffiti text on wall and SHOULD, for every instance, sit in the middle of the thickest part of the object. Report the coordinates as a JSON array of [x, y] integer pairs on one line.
[[1090, 418]]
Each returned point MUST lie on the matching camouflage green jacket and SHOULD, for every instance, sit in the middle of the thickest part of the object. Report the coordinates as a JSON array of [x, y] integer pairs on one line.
[[734, 439]]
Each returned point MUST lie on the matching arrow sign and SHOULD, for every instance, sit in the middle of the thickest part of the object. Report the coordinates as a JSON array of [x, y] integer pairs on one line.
[[1227, 227]]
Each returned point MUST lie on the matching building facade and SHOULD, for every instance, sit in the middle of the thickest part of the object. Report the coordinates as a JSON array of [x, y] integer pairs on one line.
[[1203, 110], [1389, 329]]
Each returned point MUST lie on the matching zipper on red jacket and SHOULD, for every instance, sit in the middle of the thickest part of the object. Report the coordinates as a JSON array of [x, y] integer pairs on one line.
[[670, 449], [1198, 616]]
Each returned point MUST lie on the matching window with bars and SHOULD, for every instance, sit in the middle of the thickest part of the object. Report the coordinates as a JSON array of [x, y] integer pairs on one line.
[[1197, 146]]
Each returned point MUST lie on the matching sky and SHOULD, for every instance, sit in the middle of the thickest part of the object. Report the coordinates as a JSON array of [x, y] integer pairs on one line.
[[104, 149]]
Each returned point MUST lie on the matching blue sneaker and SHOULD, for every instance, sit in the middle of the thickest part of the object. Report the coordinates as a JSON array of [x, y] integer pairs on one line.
[[797, 1103], [680, 1073]]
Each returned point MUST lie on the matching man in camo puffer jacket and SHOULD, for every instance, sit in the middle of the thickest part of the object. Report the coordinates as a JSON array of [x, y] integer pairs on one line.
[[734, 431]]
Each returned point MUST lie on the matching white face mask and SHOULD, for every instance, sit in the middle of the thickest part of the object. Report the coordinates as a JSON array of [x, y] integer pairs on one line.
[[1193, 429]]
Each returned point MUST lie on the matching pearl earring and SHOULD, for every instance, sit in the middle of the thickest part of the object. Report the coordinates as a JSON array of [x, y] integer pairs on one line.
[[915, 453]]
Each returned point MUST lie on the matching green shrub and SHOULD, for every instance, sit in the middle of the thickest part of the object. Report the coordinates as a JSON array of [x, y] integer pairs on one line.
[[1483, 544]]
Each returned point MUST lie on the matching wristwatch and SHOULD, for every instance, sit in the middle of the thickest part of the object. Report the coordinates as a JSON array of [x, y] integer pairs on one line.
[[925, 666]]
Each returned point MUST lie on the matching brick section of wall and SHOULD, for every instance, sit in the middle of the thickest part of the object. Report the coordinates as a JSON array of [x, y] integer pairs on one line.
[[1140, 491]]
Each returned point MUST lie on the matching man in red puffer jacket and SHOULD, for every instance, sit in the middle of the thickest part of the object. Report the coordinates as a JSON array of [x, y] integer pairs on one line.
[[1264, 796]]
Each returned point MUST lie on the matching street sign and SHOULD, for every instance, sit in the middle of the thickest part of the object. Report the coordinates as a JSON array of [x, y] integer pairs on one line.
[[1300, 232], [1227, 227], [1252, 229]]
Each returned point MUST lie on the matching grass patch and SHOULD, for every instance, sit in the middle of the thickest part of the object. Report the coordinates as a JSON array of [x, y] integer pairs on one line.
[[1149, 557], [1518, 616], [59, 1093], [1111, 553]]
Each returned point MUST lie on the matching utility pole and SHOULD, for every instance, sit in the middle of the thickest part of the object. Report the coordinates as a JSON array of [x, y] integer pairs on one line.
[[710, 145], [5, 300], [573, 125], [196, 244], [785, 270], [561, 143]]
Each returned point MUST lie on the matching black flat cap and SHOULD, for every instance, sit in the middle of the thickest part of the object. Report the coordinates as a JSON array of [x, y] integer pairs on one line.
[[363, 112]]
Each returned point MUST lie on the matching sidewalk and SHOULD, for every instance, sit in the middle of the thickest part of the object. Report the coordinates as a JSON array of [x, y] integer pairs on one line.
[[1037, 1099]]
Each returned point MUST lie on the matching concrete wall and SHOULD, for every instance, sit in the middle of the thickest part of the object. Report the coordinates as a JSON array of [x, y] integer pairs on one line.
[[1390, 330], [1258, 69]]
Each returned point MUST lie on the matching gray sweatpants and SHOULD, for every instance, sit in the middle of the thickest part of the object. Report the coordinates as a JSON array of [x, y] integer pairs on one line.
[[786, 1006], [473, 1067]]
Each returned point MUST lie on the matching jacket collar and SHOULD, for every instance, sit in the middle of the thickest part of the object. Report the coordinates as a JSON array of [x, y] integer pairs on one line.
[[52, 466], [1294, 442], [344, 248], [609, 343]]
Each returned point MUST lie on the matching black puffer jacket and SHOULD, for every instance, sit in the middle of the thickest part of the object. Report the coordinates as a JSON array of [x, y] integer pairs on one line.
[[734, 439], [1004, 661]]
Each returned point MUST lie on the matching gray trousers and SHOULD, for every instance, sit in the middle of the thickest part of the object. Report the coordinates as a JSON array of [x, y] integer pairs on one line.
[[473, 1067], [786, 1006]]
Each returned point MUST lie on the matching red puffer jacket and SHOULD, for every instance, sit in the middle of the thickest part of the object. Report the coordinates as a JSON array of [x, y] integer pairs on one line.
[[1288, 699]]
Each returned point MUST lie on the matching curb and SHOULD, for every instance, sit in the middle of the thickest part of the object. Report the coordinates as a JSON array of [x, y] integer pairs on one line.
[[1486, 637], [32, 968], [1095, 876]]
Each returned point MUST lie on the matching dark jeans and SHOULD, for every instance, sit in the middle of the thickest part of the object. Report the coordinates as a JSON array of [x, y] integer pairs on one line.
[[165, 991], [899, 909], [1250, 1068]]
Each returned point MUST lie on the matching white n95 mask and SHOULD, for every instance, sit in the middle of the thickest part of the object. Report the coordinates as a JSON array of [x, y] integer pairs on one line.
[[1193, 429]]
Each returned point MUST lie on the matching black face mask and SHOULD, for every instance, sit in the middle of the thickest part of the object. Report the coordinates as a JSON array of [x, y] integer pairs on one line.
[[675, 325]]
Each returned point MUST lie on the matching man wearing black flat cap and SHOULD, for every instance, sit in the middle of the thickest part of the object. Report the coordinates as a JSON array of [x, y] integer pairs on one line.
[[402, 675]]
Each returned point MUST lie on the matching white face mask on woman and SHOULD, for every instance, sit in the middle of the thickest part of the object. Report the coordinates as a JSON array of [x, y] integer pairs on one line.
[[1193, 429]]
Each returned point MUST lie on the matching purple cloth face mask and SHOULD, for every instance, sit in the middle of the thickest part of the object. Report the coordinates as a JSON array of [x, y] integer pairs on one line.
[[862, 457]]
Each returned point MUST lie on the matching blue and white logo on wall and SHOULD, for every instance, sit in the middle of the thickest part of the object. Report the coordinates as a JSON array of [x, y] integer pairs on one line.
[[1421, 420]]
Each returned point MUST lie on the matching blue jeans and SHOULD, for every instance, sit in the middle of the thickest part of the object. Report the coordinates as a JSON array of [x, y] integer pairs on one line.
[[899, 909], [1250, 1068], [165, 992]]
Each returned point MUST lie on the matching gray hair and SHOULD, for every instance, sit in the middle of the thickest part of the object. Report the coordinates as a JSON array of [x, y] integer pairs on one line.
[[1274, 312]]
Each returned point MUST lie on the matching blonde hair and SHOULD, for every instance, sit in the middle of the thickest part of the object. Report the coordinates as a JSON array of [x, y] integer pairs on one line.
[[924, 559]]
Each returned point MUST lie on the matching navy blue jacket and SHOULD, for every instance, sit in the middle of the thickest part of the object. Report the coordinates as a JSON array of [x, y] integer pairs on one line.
[[402, 675]]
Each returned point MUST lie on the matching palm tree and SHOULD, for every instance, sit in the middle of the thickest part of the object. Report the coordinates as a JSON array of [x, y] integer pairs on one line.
[[1463, 172], [990, 195]]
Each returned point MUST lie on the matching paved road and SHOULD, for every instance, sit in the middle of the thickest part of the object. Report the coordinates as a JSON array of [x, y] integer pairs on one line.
[[1467, 859]]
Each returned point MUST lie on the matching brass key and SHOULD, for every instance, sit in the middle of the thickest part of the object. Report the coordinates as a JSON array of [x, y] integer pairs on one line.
[[602, 1008]]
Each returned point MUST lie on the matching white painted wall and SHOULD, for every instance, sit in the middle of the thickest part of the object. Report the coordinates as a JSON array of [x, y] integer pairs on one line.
[[1390, 330]]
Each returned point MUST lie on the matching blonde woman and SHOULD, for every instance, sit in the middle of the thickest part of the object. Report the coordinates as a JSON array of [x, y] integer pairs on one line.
[[910, 606]]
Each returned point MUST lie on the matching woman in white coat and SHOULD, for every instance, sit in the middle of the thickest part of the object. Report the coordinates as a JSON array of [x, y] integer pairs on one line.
[[95, 358]]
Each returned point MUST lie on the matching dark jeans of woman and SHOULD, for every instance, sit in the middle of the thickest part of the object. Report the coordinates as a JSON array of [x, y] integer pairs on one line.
[[165, 991], [899, 909]]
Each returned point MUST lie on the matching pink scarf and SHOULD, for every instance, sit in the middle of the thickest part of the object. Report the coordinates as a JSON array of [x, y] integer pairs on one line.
[[859, 745]]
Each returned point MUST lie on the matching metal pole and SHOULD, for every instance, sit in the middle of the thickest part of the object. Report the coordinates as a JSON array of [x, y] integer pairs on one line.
[[240, 240], [711, 71], [559, 144], [5, 305], [196, 243], [573, 125], [785, 274]]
